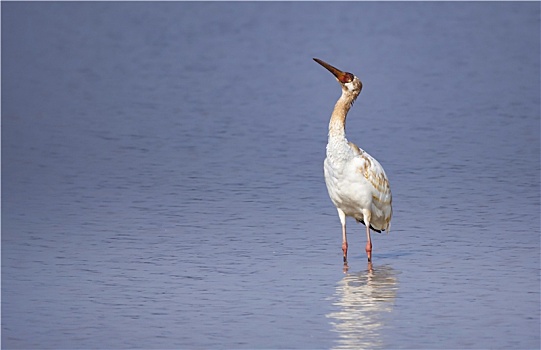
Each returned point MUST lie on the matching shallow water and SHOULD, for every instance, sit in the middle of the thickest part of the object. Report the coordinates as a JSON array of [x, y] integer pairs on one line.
[[162, 182]]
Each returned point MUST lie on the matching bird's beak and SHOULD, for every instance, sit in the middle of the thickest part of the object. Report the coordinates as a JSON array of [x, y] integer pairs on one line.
[[341, 76]]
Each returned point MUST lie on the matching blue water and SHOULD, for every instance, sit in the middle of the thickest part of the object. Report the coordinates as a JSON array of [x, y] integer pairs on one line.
[[162, 181]]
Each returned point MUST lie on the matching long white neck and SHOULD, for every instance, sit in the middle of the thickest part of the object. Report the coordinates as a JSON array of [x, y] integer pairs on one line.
[[338, 149], [337, 124]]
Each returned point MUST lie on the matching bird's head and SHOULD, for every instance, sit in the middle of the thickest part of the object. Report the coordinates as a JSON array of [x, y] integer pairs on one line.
[[350, 83]]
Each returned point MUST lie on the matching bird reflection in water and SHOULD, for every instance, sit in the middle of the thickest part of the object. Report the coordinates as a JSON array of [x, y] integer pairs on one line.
[[363, 299]]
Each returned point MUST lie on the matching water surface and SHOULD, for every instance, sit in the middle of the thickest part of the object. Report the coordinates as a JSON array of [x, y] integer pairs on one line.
[[162, 182]]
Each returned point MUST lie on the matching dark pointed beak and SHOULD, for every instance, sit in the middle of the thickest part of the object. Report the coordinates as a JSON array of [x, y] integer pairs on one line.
[[341, 76]]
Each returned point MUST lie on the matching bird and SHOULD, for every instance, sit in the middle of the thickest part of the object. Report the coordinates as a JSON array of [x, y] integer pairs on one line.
[[356, 181]]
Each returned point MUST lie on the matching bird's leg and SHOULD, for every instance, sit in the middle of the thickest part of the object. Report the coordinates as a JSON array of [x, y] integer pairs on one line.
[[367, 216], [345, 251], [342, 216], [368, 247]]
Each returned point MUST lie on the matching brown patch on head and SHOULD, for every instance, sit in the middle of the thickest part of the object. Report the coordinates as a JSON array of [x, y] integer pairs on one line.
[[345, 78]]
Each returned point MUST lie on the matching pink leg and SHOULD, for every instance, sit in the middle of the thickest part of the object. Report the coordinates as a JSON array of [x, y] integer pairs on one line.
[[368, 247], [342, 217], [345, 250], [367, 216]]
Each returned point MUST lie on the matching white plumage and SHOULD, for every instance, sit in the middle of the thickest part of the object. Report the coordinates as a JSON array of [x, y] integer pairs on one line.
[[357, 183]]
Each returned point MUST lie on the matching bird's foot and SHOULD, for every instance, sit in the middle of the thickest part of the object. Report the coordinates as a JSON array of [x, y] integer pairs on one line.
[[370, 268], [346, 267]]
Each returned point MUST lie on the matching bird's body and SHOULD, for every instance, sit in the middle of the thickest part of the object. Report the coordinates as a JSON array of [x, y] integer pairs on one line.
[[359, 183], [356, 182]]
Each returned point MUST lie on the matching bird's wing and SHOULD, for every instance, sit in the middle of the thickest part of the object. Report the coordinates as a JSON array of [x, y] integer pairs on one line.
[[373, 172], [356, 150]]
